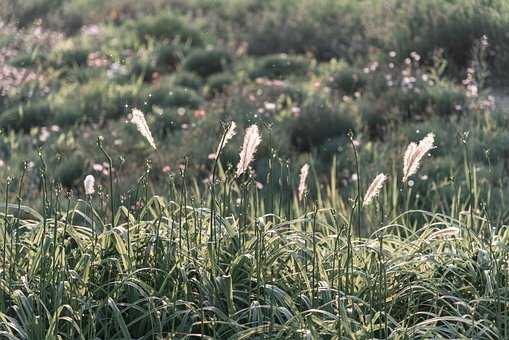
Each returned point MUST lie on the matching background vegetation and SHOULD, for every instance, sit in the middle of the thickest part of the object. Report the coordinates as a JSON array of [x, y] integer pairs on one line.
[[158, 252]]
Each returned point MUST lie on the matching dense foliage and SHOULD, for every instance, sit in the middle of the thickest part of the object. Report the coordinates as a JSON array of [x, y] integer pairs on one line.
[[172, 244]]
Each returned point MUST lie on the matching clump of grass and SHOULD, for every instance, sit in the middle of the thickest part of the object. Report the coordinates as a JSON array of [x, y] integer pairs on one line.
[[87, 267]]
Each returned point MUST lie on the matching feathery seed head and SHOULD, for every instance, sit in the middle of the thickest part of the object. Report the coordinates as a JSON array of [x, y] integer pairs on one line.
[[304, 171], [227, 136], [251, 141], [374, 188], [89, 183], [414, 154], [138, 119]]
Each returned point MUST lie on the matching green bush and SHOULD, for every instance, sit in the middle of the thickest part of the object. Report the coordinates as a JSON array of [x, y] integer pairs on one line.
[[144, 67], [173, 97], [187, 79], [454, 27], [70, 170], [279, 67], [28, 60], [168, 27], [217, 83], [26, 116], [289, 91], [168, 56], [207, 62], [327, 28], [445, 99], [73, 57], [375, 116], [67, 116], [409, 103], [318, 122], [347, 80]]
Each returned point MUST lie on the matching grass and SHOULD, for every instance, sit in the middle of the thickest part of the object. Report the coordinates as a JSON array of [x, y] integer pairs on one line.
[[172, 243], [216, 262]]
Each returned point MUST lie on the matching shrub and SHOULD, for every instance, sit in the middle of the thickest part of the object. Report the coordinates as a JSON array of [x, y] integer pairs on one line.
[[318, 122], [327, 28], [169, 27], [67, 116], [70, 170], [410, 103], [173, 97], [444, 99], [274, 93], [28, 60], [347, 80], [217, 83], [207, 62], [144, 67], [375, 116], [187, 79], [73, 57], [279, 67], [168, 56], [454, 27], [26, 116]]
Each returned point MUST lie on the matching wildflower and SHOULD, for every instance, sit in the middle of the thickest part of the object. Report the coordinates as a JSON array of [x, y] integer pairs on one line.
[[200, 113], [304, 171], [98, 167], [414, 154], [89, 183], [374, 188], [166, 168], [269, 106], [251, 141], [415, 56], [138, 119]]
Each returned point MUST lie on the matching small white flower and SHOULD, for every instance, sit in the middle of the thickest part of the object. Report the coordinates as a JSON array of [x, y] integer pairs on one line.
[[269, 106]]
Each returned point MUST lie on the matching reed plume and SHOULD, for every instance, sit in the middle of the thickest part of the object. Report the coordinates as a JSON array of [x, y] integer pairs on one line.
[[138, 119], [89, 184], [227, 136], [414, 154], [251, 141], [304, 171], [374, 188]]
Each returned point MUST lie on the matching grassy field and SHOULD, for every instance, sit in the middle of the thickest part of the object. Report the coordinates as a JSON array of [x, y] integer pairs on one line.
[[306, 169]]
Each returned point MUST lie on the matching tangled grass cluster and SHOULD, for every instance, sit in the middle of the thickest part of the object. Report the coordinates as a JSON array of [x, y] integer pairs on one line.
[[234, 261]]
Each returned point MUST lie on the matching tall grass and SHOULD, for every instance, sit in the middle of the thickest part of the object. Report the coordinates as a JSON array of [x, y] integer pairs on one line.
[[223, 263]]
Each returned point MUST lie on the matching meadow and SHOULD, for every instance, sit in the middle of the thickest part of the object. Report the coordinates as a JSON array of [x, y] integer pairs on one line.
[[305, 169]]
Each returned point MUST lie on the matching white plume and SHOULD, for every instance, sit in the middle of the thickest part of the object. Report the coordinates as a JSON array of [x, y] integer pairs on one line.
[[227, 136], [304, 171], [374, 188], [138, 119], [89, 183], [251, 141], [414, 154]]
